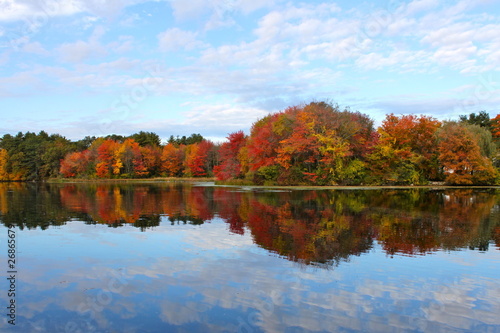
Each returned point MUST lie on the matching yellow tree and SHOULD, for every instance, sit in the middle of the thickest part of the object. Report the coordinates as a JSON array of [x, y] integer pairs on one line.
[[4, 175]]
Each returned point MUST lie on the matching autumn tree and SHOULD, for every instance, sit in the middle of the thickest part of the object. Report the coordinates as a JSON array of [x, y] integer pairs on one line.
[[75, 164], [172, 159], [460, 155], [315, 143], [229, 154], [128, 160], [407, 150], [265, 136], [4, 157], [495, 132], [106, 163], [151, 156], [495, 127], [197, 159], [300, 150]]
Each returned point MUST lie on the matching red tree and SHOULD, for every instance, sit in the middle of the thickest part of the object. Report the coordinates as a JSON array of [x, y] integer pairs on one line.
[[105, 158], [230, 166], [197, 158]]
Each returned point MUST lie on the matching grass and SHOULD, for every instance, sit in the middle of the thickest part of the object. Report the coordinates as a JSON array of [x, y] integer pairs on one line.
[[130, 180], [248, 183]]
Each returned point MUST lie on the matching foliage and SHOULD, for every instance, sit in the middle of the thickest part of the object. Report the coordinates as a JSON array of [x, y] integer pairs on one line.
[[484, 139], [495, 127], [482, 119], [172, 159], [310, 144], [406, 152], [229, 154], [460, 155], [4, 158], [145, 139], [32, 157], [197, 159], [192, 139]]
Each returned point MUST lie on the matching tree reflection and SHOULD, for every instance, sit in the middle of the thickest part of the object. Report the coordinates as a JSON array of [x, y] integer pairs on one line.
[[30, 205], [320, 227]]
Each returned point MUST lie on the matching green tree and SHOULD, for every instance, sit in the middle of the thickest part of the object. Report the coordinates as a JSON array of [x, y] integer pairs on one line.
[[146, 139], [481, 119]]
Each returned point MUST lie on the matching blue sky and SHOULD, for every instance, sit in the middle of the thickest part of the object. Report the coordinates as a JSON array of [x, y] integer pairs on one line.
[[212, 67]]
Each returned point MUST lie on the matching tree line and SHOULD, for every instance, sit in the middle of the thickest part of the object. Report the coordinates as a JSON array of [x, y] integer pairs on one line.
[[320, 144], [312, 144]]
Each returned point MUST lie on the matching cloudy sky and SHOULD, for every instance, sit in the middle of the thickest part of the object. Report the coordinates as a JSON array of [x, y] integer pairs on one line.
[[178, 67]]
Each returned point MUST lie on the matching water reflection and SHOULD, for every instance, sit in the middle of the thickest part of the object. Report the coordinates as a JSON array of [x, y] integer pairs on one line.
[[195, 267], [305, 226]]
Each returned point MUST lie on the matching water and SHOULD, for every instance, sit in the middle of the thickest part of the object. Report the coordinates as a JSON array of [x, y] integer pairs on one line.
[[170, 257]]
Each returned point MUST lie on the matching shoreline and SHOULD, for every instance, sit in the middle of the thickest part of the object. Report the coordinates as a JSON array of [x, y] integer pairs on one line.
[[129, 180], [275, 187]]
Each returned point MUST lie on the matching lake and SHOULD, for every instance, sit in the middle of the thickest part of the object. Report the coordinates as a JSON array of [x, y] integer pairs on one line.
[[195, 257]]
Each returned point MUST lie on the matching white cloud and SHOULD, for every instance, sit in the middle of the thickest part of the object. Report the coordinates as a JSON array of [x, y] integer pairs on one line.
[[35, 48], [456, 55], [249, 6], [175, 39], [41, 11], [34, 12], [20, 84], [123, 45], [458, 33], [235, 117], [216, 10], [484, 95], [280, 54], [81, 51], [400, 60], [89, 22], [4, 58], [418, 6], [184, 10]]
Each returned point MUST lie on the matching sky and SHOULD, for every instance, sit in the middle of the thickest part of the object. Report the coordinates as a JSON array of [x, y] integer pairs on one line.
[[177, 67]]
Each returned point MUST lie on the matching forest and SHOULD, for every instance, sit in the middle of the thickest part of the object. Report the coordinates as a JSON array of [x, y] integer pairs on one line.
[[311, 144]]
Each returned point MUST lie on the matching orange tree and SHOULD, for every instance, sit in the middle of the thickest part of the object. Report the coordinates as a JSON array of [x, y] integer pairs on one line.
[[406, 152], [461, 158], [315, 144]]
